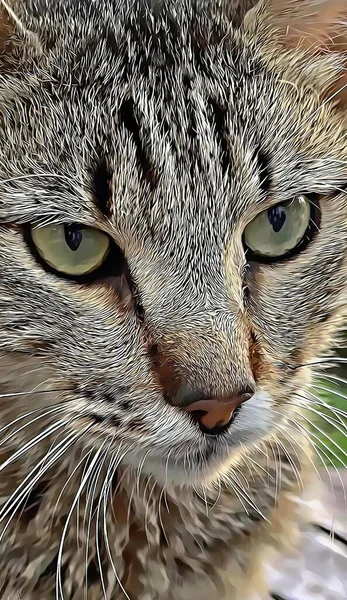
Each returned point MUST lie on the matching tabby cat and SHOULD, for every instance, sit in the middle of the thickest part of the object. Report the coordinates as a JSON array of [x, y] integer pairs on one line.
[[173, 261]]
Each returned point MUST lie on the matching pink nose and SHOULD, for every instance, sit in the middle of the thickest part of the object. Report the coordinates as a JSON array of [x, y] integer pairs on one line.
[[217, 413]]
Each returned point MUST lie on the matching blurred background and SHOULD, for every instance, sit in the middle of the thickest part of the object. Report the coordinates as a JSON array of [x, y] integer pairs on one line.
[[318, 571], [331, 387]]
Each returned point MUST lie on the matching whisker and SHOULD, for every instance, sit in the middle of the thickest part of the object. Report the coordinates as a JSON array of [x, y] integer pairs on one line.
[[325, 417], [80, 462], [249, 500], [287, 434], [319, 451], [137, 482], [97, 522], [334, 378], [93, 482], [322, 388], [338, 412], [16, 497], [107, 543], [148, 503], [258, 466], [278, 473], [56, 409], [59, 586], [291, 462], [35, 392], [37, 439], [333, 361], [330, 450]]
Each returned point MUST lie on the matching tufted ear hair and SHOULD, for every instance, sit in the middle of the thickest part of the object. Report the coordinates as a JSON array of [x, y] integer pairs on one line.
[[316, 24], [15, 38], [313, 28]]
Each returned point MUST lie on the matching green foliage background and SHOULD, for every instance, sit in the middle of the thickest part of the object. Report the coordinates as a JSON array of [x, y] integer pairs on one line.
[[333, 423]]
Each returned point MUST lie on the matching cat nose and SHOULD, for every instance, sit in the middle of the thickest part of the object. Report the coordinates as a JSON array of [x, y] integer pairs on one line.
[[214, 416]]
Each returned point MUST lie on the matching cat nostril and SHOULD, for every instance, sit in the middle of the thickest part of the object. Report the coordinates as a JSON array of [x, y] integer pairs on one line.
[[215, 416]]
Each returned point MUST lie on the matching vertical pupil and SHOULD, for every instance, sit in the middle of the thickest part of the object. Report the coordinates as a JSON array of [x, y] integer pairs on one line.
[[73, 236], [277, 217]]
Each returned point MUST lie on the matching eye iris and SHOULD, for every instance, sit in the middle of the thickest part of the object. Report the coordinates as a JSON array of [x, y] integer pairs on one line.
[[277, 217], [73, 236]]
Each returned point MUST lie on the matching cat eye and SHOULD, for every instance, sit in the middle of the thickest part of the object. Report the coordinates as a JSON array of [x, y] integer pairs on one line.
[[71, 248], [281, 230]]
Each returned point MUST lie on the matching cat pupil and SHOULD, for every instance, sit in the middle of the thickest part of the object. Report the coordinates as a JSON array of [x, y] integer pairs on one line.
[[73, 236], [277, 217]]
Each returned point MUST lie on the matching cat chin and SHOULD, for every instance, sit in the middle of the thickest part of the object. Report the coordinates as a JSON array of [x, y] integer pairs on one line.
[[208, 460], [206, 466]]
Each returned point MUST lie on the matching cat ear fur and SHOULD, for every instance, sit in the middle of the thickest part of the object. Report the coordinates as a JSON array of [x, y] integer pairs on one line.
[[316, 28], [13, 33], [311, 24]]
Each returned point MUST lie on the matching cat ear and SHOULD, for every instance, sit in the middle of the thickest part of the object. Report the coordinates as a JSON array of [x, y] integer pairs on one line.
[[316, 28], [310, 24], [14, 35]]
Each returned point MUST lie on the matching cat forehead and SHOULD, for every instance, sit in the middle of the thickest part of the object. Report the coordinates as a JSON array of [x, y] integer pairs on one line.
[[161, 120]]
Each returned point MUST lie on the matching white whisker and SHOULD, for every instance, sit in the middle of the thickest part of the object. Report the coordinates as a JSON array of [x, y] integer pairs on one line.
[[59, 587]]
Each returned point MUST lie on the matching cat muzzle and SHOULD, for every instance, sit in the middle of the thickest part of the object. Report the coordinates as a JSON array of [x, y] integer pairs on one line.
[[214, 416]]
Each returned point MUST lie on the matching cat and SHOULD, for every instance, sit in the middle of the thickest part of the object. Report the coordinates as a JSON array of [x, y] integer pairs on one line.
[[173, 261]]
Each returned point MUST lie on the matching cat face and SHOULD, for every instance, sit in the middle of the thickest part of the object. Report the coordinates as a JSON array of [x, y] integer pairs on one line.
[[173, 227]]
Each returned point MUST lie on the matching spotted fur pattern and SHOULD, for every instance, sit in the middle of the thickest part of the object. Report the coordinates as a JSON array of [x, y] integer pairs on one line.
[[169, 125]]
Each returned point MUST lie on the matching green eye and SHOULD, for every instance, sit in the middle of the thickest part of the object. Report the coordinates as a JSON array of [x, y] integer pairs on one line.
[[71, 249], [281, 229]]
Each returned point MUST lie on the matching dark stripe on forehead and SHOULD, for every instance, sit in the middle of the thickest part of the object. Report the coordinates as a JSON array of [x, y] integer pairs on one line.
[[102, 187], [130, 122], [219, 113], [264, 171]]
